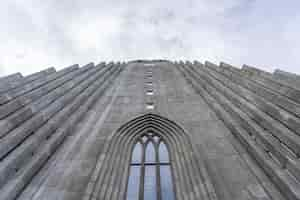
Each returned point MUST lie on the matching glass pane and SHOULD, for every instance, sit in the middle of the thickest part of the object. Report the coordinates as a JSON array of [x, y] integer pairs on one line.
[[150, 190], [134, 183], [166, 183], [163, 153], [150, 153], [137, 153]]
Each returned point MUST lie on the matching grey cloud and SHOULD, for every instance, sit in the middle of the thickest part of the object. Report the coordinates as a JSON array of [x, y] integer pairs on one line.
[[35, 34]]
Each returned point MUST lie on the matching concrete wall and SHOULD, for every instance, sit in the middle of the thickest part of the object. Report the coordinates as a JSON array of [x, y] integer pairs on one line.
[[233, 133]]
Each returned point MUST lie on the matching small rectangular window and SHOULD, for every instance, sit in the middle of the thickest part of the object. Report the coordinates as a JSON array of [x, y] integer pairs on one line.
[[150, 92], [150, 106]]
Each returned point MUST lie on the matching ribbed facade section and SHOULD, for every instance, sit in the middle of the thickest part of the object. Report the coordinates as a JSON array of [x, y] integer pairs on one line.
[[232, 133]]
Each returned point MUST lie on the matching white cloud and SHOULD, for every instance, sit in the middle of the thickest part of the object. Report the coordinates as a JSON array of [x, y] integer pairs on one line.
[[35, 35]]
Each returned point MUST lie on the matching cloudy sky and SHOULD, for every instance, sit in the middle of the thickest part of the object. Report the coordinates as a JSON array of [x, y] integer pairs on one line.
[[36, 34]]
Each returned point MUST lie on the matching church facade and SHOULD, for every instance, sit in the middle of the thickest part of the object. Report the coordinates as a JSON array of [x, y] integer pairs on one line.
[[150, 130]]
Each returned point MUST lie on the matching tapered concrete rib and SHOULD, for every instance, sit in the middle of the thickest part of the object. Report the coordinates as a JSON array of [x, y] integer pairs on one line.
[[28, 86], [47, 139], [26, 79], [255, 139], [28, 111], [10, 78], [13, 138], [286, 159], [238, 87], [268, 123], [269, 142], [68, 93], [26, 98], [292, 92], [269, 95], [252, 70], [287, 77]]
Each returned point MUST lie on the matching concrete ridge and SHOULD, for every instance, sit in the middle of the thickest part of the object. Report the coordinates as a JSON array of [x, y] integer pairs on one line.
[[261, 125], [33, 132], [39, 113]]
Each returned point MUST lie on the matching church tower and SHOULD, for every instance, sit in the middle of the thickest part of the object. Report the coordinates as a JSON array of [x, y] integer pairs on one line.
[[150, 130]]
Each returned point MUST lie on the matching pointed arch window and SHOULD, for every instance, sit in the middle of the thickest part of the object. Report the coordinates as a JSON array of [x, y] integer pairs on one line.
[[150, 175]]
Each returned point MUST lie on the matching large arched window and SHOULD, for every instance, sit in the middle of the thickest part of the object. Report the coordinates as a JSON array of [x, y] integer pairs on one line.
[[150, 171]]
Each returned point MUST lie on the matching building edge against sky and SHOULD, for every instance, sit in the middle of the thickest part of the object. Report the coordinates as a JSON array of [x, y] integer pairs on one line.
[[229, 133]]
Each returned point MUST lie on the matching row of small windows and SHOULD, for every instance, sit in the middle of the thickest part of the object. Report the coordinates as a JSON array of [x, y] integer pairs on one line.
[[149, 92], [150, 170]]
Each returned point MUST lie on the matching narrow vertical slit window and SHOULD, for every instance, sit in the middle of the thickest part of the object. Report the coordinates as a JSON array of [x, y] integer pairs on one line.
[[150, 175]]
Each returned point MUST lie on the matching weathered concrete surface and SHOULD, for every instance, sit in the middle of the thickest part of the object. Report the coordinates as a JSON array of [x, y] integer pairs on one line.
[[58, 131]]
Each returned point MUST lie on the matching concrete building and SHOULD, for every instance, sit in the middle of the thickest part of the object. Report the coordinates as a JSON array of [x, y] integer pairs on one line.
[[150, 129]]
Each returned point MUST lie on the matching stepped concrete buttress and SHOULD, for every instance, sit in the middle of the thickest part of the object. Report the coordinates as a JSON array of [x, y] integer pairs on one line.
[[234, 133]]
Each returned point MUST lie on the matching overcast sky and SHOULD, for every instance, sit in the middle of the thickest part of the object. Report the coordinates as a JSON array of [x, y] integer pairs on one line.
[[38, 34]]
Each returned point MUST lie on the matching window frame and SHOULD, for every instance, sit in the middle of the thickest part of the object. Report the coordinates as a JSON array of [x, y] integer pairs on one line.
[[143, 163]]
